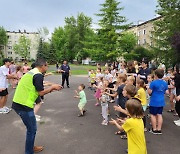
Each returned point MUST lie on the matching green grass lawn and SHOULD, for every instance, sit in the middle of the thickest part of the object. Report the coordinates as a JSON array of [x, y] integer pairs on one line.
[[75, 69]]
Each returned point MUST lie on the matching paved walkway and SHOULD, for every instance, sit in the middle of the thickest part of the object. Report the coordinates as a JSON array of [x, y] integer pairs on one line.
[[62, 132]]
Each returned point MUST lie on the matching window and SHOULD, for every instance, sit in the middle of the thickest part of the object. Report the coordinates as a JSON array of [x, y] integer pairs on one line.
[[9, 47], [144, 41], [139, 33], [144, 31], [9, 53], [9, 42], [138, 42]]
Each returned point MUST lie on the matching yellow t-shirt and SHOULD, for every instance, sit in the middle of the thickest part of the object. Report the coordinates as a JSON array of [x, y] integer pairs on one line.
[[92, 77], [141, 94], [135, 133]]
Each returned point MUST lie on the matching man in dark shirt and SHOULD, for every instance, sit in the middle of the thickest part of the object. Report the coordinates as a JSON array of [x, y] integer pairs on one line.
[[65, 70], [28, 89], [144, 71]]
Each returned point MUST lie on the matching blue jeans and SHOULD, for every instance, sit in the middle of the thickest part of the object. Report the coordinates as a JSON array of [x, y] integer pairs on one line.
[[29, 121]]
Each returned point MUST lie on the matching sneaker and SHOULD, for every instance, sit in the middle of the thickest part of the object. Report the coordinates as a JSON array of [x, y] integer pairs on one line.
[[38, 149], [104, 123], [177, 124], [7, 108], [4, 111], [80, 115], [177, 121], [153, 131], [159, 132], [38, 116]]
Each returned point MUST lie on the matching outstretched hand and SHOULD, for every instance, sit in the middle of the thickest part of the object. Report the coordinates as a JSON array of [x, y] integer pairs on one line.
[[113, 122]]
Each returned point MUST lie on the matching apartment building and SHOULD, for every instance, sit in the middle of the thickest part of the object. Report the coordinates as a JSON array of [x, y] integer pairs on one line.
[[143, 32], [13, 38]]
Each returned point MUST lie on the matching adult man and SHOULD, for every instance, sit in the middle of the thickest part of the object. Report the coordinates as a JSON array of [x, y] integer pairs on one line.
[[4, 76], [65, 70], [144, 71], [28, 89]]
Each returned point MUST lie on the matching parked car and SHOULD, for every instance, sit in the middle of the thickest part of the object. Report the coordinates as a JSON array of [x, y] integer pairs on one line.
[[93, 63]]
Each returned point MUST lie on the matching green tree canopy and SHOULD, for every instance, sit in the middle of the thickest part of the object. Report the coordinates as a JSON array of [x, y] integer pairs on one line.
[[165, 29], [3, 39], [23, 47], [111, 23]]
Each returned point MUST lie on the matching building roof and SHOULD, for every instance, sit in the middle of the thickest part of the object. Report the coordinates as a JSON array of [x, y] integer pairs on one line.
[[22, 32], [156, 18]]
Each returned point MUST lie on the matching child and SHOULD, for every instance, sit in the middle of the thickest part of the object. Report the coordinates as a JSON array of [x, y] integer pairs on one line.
[[104, 104], [89, 79], [133, 127], [121, 99], [157, 90], [150, 78], [141, 94], [130, 80], [128, 92], [82, 96], [99, 87], [92, 79]]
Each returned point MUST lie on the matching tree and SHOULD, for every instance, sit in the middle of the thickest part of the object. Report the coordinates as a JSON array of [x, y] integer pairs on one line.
[[165, 29], [3, 39], [23, 47], [126, 43], [111, 24], [69, 41]]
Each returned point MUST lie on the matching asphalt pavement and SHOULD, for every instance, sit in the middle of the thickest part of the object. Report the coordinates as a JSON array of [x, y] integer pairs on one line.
[[60, 131]]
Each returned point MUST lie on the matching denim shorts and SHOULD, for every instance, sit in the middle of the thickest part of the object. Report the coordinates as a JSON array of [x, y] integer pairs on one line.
[[155, 110]]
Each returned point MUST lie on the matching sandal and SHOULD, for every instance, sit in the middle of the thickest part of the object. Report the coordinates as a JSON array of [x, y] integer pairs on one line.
[[124, 137]]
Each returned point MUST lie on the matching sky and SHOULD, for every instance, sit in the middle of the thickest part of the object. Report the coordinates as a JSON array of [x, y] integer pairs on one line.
[[34, 14]]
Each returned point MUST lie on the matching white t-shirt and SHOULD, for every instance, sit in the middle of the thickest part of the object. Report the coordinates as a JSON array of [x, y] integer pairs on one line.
[[108, 76], [4, 71]]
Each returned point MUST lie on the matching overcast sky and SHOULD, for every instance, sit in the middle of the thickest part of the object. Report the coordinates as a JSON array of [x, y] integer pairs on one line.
[[33, 14]]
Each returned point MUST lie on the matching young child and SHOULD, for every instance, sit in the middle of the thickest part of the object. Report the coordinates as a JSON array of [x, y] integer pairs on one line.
[[133, 127], [82, 96], [157, 90], [89, 79], [121, 100], [104, 104], [99, 87], [92, 79], [130, 80], [141, 94]]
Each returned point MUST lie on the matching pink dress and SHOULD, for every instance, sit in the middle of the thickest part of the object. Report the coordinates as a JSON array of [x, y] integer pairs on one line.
[[98, 93]]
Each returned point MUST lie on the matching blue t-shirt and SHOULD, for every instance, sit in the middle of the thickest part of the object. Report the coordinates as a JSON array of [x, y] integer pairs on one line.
[[158, 88]]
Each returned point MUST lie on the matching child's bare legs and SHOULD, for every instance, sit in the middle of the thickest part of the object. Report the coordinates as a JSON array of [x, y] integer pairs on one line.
[[172, 105], [154, 122], [97, 102], [2, 101], [159, 121]]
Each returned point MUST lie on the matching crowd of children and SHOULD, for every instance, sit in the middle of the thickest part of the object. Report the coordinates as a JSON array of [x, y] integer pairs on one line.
[[135, 88]]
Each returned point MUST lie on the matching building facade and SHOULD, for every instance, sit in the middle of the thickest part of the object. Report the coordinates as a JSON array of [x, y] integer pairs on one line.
[[13, 38], [143, 32]]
